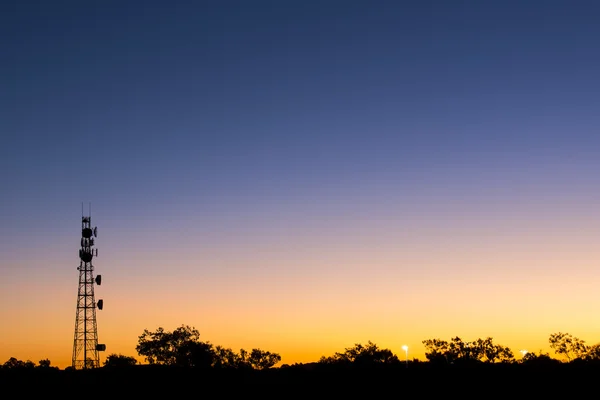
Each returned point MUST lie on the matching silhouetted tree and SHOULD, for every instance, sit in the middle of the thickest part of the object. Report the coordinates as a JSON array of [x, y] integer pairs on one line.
[[13, 363], [362, 355], [119, 360], [438, 351], [227, 358], [491, 352], [567, 345], [457, 350], [461, 351], [592, 354], [260, 359], [44, 363], [540, 360], [196, 354], [181, 347]]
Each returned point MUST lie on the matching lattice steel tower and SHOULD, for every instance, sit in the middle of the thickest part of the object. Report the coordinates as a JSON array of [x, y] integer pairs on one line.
[[85, 343]]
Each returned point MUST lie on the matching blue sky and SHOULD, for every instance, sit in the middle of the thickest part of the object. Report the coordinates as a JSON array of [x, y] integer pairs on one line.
[[226, 97]]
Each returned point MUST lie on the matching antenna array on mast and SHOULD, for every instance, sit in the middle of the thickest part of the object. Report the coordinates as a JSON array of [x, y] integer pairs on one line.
[[85, 343]]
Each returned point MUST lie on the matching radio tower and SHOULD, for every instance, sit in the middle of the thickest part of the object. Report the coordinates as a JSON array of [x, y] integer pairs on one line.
[[85, 344]]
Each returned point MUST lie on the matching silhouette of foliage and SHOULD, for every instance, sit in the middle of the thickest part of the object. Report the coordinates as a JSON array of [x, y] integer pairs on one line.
[[227, 358], [119, 360], [491, 352], [14, 363], [452, 351], [260, 359], [567, 345], [182, 347], [592, 354], [256, 359], [438, 351], [45, 363], [197, 354], [362, 355], [457, 350], [540, 359]]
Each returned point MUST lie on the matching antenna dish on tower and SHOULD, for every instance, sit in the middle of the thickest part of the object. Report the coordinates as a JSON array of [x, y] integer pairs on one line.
[[96, 231], [86, 256]]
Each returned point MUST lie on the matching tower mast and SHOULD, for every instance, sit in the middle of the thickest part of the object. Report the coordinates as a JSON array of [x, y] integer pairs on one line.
[[85, 343]]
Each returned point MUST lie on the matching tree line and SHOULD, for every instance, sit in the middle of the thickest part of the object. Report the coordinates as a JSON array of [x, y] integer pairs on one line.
[[485, 350], [182, 347]]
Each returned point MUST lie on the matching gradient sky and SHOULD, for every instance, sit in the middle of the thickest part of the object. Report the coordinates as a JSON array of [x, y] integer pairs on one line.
[[301, 176]]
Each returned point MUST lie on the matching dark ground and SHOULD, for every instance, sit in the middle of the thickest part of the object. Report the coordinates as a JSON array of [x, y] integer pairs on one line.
[[418, 381]]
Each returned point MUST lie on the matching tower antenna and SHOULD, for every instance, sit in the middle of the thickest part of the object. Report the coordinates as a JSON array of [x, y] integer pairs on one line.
[[85, 342]]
